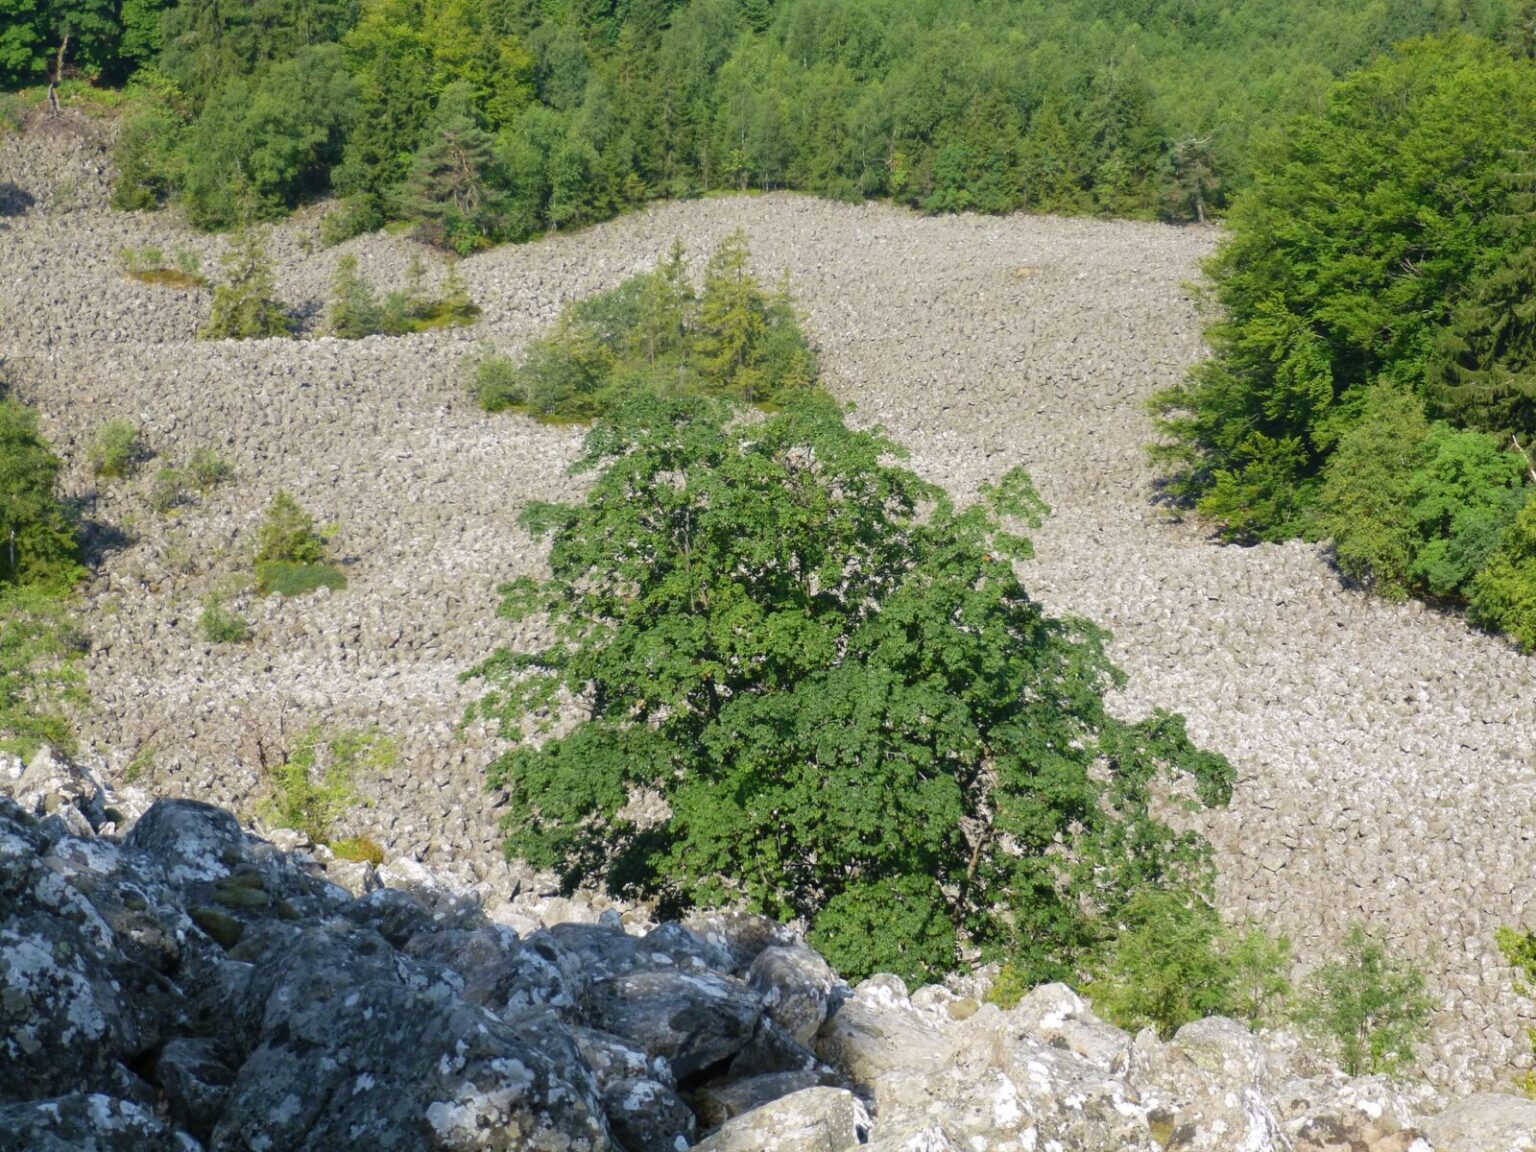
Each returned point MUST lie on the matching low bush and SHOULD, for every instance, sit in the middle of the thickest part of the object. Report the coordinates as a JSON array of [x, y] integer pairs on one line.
[[148, 265], [40, 683], [1368, 1005], [361, 849], [315, 783], [356, 310], [169, 490], [117, 450], [208, 469], [220, 625], [654, 333], [287, 534]]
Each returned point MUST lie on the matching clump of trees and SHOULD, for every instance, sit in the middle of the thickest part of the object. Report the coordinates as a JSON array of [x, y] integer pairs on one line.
[[292, 555], [245, 305], [656, 333], [356, 310], [854, 713], [1373, 379]]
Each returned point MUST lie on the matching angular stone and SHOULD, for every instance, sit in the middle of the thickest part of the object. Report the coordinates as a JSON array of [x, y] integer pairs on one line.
[[796, 987], [694, 1020], [814, 1120], [647, 1116], [87, 1121], [1486, 1123]]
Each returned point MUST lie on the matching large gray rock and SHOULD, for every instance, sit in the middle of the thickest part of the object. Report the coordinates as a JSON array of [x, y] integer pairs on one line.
[[87, 1122], [796, 987], [647, 1116], [874, 1031], [188, 841], [813, 1120], [1487, 1123], [693, 1020]]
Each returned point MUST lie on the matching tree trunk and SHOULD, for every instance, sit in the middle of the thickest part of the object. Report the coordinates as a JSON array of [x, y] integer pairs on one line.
[[58, 75]]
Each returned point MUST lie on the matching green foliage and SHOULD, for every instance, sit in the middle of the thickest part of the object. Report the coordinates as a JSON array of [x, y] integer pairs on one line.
[[1173, 961], [39, 682], [652, 333], [288, 534], [831, 675], [117, 450], [221, 625], [244, 304], [169, 490], [1342, 266], [361, 849], [1503, 595], [1519, 949], [37, 532], [1370, 1005], [1415, 507], [315, 784], [148, 265], [289, 579], [208, 469], [356, 311]]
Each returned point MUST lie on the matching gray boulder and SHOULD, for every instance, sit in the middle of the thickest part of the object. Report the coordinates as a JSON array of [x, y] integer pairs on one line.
[[1487, 1123], [647, 1116], [693, 1020], [796, 987], [87, 1122], [815, 1120]]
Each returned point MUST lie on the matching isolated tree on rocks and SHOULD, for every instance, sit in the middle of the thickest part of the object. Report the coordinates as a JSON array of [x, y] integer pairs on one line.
[[244, 305], [853, 711]]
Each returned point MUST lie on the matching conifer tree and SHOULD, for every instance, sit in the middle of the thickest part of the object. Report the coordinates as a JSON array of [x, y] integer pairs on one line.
[[244, 305], [730, 321]]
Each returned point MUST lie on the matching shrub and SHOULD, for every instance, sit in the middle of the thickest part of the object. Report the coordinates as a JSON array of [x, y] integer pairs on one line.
[[208, 469], [855, 713], [169, 490], [1174, 961], [39, 683], [297, 579], [653, 333], [314, 785], [37, 531], [117, 450], [1369, 1005], [1503, 594], [362, 849], [355, 310], [288, 535], [244, 305], [220, 625], [495, 381], [1519, 949]]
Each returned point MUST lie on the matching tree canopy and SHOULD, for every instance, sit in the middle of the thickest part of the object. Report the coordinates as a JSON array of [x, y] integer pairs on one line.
[[1371, 378], [830, 680]]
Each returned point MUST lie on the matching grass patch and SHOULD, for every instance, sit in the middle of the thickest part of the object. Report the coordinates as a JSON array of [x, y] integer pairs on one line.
[[294, 579], [360, 849], [148, 266]]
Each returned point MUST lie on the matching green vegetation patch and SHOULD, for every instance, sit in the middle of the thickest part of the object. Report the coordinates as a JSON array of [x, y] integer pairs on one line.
[[654, 333], [854, 712], [356, 310], [315, 784], [1374, 371]]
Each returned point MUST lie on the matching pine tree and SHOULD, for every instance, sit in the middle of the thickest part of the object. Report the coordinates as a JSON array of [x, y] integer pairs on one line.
[[244, 305], [450, 192], [730, 322]]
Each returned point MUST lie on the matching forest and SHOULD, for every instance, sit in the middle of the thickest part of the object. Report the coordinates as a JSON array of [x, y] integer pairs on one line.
[[492, 120]]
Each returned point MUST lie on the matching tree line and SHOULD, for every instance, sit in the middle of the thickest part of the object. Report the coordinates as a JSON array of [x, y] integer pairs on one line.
[[493, 120]]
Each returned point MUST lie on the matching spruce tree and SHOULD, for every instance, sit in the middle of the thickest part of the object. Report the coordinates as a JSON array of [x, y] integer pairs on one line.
[[730, 323]]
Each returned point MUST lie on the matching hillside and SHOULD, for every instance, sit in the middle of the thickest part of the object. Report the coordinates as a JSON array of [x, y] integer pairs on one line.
[[1384, 753]]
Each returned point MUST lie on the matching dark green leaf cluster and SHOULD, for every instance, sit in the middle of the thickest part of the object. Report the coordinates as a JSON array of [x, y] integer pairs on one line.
[[491, 120], [1372, 377], [840, 702], [654, 333]]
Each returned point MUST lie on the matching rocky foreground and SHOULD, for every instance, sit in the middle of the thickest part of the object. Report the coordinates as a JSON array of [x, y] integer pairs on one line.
[[172, 982], [1386, 754]]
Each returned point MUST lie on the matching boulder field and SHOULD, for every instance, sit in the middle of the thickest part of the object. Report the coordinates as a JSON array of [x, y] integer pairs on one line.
[[1386, 753]]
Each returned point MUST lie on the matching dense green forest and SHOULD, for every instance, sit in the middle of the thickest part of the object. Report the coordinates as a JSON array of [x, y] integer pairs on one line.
[[490, 120], [1374, 376]]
